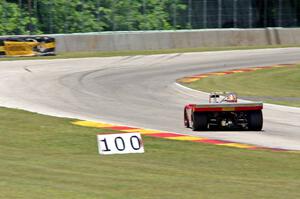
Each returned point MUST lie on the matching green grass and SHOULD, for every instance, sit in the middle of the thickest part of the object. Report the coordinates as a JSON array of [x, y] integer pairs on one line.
[[277, 85], [67, 55], [44, 157]]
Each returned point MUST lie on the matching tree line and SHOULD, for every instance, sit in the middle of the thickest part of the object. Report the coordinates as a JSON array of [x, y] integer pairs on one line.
[[75, 16], [69, 16]]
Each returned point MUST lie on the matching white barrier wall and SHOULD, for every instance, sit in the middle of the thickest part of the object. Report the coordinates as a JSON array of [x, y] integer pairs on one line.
[[154, 40]]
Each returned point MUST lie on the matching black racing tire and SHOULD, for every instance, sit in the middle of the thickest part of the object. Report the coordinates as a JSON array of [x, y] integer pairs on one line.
[[199, 121], [255, 120], [186, 119]]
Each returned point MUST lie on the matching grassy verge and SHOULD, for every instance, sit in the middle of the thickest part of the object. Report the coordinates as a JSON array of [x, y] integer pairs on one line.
[[66, 55], [47, 157], [277, 85]]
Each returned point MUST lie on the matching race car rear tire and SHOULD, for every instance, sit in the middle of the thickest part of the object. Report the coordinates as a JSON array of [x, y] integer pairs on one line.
[[186, 120], [255, 120], [199, 121]]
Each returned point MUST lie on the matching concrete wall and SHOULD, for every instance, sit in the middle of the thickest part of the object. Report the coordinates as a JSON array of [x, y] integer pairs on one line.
[[154, 40]]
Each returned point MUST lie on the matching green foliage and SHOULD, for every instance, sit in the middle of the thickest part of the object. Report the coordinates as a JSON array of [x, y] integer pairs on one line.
[[63, 16], [14, 21], [69, 16]]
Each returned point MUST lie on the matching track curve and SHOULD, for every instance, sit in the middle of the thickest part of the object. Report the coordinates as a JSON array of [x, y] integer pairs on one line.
[[141, 91]]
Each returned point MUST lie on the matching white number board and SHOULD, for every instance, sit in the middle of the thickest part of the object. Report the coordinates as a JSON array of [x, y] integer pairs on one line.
[[120, 143]]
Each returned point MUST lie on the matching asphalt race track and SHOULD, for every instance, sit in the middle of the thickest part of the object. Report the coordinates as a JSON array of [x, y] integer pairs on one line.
[[141, 91]]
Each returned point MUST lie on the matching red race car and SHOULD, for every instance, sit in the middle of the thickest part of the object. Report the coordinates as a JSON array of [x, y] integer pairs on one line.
[[224, 112]]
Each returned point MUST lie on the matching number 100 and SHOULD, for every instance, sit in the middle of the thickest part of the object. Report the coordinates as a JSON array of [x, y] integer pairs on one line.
[[120, 145]]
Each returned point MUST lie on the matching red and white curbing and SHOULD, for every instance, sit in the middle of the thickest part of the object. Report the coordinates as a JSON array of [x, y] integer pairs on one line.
[[194, 78], [171, 136]]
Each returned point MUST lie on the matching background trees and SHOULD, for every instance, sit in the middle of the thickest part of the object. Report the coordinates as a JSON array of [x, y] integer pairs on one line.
[[69, 16], [73, 16]]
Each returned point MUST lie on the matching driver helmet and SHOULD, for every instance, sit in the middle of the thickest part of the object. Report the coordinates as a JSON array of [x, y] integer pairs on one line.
[[231, 98]]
